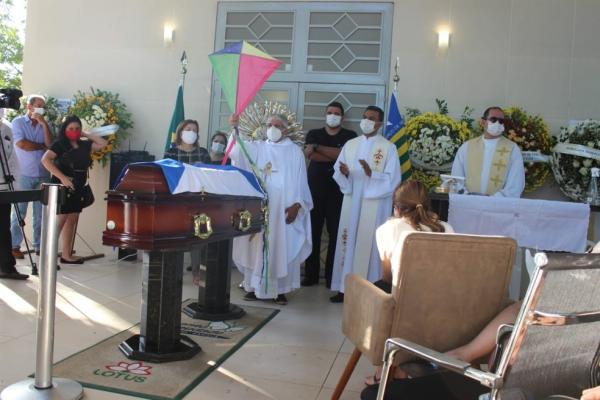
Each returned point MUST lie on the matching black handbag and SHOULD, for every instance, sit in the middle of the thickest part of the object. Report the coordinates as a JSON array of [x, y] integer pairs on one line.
[[87, 197]]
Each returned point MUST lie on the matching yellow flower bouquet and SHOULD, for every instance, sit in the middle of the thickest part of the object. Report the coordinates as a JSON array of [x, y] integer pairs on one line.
[[532, 135], [100, 108]]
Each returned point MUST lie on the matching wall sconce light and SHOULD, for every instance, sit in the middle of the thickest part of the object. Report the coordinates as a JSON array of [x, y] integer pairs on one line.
[[168, 34], [443, 39]]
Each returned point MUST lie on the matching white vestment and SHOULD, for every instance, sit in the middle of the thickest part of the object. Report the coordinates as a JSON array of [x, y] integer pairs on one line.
[[283, 170], [515, 174], [367, 204]]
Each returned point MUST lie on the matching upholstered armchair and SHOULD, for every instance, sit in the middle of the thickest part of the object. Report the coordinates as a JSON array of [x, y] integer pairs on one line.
[[446, 288]]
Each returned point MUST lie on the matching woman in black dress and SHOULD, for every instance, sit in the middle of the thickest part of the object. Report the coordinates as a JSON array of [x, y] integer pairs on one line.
[[68, 160]]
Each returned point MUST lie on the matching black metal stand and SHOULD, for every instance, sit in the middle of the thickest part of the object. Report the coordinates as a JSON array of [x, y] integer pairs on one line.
[[160, 339], [213, 293]]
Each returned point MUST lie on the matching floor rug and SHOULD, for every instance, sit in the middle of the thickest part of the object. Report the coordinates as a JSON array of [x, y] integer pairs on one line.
[[104, 367]]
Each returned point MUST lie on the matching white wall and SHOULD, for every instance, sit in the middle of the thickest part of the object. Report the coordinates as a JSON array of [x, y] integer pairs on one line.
[[540, 54]]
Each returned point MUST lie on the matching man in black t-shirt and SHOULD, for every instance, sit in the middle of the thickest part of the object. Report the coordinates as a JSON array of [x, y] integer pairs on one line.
[[322, 149]]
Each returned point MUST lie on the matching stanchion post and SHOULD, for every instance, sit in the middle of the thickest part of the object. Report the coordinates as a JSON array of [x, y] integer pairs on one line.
[[43, 386], [47, 295]]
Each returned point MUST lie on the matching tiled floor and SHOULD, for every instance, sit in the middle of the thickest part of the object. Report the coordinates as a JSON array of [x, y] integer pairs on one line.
[[298, 355]]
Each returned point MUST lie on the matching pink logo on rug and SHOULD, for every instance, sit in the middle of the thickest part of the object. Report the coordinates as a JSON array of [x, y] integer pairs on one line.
[[137, 368]]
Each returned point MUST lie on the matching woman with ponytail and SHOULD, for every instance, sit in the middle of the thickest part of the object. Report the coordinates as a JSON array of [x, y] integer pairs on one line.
[[411, 213]]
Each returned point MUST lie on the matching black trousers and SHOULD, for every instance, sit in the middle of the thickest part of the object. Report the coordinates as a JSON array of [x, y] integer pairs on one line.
[[7, 261], [327, 206], [441, 386]]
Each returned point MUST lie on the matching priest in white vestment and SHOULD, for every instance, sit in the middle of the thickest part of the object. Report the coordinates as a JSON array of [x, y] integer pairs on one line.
[[491, 164], [282, 168], [367, 171]]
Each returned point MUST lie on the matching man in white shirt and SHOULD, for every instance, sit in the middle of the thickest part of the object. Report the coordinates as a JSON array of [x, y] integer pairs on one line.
[[491, 164]]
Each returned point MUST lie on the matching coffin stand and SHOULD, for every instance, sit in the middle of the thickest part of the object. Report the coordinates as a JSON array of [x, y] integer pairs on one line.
[[143, 215]]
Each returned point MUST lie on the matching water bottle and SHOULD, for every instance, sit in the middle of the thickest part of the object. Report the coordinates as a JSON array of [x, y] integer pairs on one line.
[[592, 196]]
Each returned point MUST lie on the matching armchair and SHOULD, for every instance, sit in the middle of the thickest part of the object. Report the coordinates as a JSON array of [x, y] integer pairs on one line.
[[554, 348], [446, 288]]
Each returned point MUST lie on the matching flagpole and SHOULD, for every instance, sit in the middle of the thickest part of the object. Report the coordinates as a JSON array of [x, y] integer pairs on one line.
[[184, 63], [396, 77]]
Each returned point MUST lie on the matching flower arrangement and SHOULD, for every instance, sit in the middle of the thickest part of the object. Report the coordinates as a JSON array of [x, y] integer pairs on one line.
[[101, 108], [532, 135], [577, 152], [434, 140], [53, 113]]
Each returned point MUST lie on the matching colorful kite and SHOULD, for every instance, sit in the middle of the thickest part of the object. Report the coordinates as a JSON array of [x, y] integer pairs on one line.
[[242, 69]]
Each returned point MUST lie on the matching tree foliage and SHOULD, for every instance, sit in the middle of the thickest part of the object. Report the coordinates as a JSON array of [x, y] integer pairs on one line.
[[11, 49]]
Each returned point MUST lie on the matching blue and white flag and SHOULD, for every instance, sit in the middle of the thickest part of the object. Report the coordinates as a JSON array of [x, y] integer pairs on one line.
[[214, 179]]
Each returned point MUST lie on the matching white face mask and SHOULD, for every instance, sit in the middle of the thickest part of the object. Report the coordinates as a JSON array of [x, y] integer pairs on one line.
[[274, 134], [495, 129], [367, 126], [333, 121], [39, 110], [217, 148], [189, 137]]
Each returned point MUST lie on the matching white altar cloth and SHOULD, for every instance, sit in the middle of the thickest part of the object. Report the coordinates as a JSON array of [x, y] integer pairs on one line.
[[537, 224]]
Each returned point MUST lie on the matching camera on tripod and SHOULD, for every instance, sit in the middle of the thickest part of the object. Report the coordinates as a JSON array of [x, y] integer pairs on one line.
[[10, 98]]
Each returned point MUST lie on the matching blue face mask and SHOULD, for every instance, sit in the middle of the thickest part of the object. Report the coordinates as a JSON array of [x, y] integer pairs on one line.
[[217, 148]]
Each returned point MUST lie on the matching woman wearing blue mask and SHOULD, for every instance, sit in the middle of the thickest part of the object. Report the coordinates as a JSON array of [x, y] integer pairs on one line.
[[217, 148]]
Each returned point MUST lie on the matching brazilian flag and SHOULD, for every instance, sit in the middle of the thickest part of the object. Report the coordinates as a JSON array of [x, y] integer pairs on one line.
[[178, 116]]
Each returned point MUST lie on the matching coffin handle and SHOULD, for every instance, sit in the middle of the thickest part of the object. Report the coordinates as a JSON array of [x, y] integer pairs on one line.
[[202, 226]]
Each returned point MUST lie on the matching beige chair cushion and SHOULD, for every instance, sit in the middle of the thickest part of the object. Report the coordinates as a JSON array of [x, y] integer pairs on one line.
[[449, 286]]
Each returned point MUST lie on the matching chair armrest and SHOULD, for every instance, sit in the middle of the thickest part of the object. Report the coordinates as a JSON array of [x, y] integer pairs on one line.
[[367, 317], [442, 360]]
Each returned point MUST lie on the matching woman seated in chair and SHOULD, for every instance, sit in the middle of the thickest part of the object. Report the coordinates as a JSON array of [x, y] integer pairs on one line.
[[411, 213], [433, 386]]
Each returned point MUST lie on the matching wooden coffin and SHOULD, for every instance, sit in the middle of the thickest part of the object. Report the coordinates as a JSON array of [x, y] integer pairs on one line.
[[142, 214]]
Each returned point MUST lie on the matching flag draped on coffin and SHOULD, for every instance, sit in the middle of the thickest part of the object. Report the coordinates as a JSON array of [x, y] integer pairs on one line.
[[242, 69], [178, 116], [393, 133]]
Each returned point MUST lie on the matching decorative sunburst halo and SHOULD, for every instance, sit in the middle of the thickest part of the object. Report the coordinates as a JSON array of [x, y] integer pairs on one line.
[[253, 122]]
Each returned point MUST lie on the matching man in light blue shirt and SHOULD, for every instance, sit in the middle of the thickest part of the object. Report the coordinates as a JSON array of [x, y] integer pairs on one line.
[[31, 138]]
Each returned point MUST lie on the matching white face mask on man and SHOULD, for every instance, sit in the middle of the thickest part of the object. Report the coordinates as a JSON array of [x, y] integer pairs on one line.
[[495, 128], [274, 134], [333, 121], [189, 137], [39, 110], [367, 126]]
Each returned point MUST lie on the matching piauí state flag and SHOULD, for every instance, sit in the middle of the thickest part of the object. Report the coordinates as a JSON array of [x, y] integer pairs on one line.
[[242, 69], [178, 116], [393, 132]]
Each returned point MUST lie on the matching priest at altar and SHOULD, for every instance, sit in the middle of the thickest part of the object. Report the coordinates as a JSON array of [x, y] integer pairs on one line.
[[281, 166], [491, 164], [367, 171]]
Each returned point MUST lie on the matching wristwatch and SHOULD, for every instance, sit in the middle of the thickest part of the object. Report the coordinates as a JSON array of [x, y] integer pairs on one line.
[[315, 146]]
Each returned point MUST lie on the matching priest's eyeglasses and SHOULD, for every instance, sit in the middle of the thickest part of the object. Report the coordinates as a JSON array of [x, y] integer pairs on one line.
[[493, 120]]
